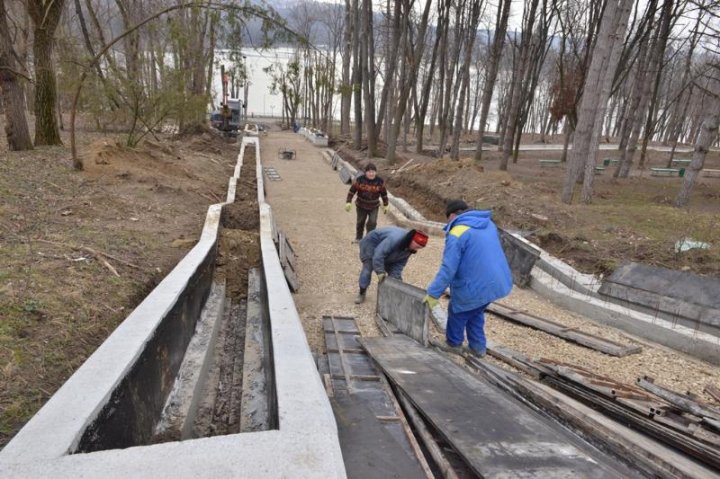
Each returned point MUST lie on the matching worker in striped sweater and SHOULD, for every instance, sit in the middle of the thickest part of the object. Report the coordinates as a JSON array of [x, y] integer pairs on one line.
[[370, 189]]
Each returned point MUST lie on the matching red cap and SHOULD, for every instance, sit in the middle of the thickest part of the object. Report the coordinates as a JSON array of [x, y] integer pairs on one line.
[[420, 238]]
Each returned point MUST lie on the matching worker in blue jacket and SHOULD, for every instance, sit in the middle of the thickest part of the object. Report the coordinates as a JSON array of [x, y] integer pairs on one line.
[[475, 269], [386, 252]]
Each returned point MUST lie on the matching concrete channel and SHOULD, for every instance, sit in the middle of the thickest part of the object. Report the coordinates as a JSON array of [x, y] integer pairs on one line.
[[145, 404]]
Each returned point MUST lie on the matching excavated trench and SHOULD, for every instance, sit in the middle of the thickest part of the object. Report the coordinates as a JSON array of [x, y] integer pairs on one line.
[[220, 411], [207, 370], [236, 393]]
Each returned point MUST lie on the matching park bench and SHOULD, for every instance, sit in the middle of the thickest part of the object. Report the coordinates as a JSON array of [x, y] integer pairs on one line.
[[599, 170], [711, 173], [611, 161], [549, 162], [681, 162], [667, 172]]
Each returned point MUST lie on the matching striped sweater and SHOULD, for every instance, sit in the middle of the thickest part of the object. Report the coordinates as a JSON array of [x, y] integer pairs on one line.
[[368, 192]]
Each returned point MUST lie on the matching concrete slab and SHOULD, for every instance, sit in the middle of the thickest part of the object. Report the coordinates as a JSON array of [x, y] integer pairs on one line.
[[401, 305], [257, 412], [182, 403], [687, 298], [496, 435], [521, 257], [676, 336]]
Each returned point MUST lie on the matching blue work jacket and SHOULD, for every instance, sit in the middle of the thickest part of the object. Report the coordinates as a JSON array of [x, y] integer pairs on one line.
[[473, 264]]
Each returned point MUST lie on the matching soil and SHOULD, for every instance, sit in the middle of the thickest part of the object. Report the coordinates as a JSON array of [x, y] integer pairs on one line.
[[629, 220], [238, 252], [81, 249]]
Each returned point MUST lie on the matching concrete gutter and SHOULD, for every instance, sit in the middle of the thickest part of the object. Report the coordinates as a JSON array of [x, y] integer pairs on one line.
[[305, 445], [681, 338]]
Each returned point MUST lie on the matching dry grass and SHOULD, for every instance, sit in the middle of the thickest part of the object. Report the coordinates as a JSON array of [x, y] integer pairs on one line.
[[138, 209]]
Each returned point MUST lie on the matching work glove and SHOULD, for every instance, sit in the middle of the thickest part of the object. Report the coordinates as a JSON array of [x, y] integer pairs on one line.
[[348, 207], [385, 209], [381, 277], [430, 301]]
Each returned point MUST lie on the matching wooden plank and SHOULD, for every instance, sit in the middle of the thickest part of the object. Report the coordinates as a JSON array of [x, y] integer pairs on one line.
[[493, 433], [579, 337], [438, 456], [343, 361]]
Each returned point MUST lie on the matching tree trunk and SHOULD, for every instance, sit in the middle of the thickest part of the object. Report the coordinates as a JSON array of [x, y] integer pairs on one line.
[[622, 16], [427, 85], [464, 74], [367, 57], [633, 122], [492, 70], [13, 96], [346, 88], [706, 137], [357, 76], [410, 69], [46, 125], [592, 100], [658, 63], [521, 66]]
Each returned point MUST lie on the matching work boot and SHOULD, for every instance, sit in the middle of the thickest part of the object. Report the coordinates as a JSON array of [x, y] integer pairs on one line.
[[360, 299], [452, 349], [477, 353]]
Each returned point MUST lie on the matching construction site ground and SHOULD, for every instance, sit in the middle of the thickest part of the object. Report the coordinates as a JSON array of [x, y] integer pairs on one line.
[[308, 204], [630, 219], [81, 249]]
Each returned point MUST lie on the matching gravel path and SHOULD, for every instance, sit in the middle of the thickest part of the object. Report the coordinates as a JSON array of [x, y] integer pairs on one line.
[[308, 206]]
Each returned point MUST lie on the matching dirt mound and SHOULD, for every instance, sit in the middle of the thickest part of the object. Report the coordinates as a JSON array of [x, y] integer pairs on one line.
[[105, 156], [210, 142], [241, 216], [239, 251]]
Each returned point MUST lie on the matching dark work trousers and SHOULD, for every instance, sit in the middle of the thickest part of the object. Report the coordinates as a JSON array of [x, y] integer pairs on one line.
[[365, 215]]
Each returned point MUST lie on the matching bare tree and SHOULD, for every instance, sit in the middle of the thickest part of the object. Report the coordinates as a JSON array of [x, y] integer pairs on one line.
[[464, 75], [345, 85], [13, 97], [596, 90], [519, 74], [709, 84], [408, 79], [706, 137], [357, 74], [501, 22]]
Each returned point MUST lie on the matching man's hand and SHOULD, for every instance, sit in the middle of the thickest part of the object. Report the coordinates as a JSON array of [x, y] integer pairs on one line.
[[348, 207], [381, 277], [430, 301], [385, 209]]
